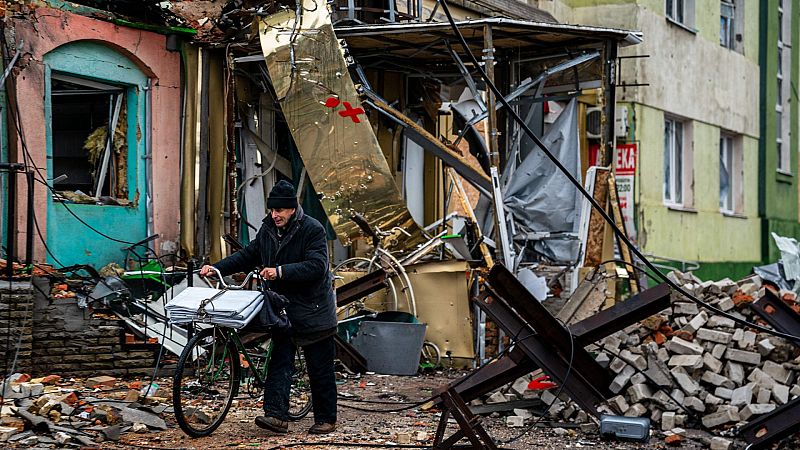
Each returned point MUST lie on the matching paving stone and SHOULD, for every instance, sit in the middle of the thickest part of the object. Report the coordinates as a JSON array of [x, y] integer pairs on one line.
[[734, 371], [697, 321], [765, 347], [520, 385], [724, 393], [686, 383], [718, 351], [639, 392], [692, 361], [636, 410], [621, 380], [762, 378], [726, 304], [663, 355], [780, 393], [763, 395], [687, 309], [680, 419], [708, 334], [754, 409], [712, 400], [658, 371], [711, 363], [719, 443], [524, 413], [678, 395], [619, 403], [716, 321], [720, 418], [743, 356], [637, 361], [742, 396], [694, 403], [748, 340], [667, 420], [684, 347], [515, 421], [662, 399], [777, 372], [496, 397], [717, 380], [795, 390], [617, 364], [603, 359], [738, 334], [638, 378]]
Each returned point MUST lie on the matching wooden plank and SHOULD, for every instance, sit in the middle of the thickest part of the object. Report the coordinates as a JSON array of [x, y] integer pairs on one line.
[[623, 249]]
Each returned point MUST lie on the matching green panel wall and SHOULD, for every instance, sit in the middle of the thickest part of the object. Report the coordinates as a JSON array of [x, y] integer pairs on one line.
[[778, 192], [705, 234]]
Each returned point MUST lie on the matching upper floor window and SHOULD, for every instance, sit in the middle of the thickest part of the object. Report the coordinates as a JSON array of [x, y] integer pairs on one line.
[[673, 161], [783, 73], [681, 12], [730, 174], [727, 19]]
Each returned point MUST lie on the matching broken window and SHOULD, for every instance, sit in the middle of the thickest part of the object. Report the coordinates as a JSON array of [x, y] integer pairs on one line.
[[673, 161], [681, 12], [88, 163], [730, 174], [726, 23]]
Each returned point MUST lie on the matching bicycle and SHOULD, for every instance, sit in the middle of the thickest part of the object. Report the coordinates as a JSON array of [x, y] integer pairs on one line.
[[213, 366]]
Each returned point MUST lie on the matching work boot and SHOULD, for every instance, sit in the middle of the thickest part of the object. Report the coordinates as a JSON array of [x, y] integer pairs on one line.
[[322, 428], [273, 424]]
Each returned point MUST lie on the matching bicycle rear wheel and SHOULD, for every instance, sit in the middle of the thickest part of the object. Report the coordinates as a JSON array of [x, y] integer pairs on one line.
[[300, 394], [206, 381]]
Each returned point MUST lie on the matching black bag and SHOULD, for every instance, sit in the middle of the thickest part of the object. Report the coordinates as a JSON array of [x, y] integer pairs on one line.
[[273, 313]]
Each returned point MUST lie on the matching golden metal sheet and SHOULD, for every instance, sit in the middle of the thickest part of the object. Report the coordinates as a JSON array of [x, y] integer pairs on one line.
[[333, 134]]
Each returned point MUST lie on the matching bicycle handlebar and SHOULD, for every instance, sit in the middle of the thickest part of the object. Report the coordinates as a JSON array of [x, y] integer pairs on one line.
[[232, 285]]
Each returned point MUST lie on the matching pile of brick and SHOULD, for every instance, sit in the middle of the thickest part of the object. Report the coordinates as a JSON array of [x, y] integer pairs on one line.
[[51, 411], [688, 367]]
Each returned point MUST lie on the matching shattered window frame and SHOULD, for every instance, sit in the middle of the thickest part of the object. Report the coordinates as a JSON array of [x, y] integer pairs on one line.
[[674, 138], [109, 158], [730, 174]]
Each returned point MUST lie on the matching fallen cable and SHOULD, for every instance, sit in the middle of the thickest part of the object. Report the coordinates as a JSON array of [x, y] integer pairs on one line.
[[619, 233]]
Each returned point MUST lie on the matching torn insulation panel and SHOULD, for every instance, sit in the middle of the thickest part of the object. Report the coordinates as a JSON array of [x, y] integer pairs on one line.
[[333, 134]]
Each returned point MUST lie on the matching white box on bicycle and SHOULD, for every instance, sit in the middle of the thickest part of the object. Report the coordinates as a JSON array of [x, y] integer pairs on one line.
[[231, 308], [391, 348]]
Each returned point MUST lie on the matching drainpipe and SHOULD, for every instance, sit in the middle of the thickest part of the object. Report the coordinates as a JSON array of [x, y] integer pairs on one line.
[[148, 156]]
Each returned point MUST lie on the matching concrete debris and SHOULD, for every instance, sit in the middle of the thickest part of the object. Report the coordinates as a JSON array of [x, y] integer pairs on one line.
[[689, 366], [33, 409]]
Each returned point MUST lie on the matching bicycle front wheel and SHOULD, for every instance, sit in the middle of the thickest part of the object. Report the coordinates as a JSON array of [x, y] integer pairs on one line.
[[206, 381], [300, 394]]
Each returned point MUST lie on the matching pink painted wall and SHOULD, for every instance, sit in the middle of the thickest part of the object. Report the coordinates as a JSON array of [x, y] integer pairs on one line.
[[51, 28]]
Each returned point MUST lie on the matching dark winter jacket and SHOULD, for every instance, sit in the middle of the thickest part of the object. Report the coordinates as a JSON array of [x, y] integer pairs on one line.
[[306, 280]]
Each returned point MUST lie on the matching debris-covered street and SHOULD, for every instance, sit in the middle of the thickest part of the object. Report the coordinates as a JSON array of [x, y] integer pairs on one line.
[[488, 224]]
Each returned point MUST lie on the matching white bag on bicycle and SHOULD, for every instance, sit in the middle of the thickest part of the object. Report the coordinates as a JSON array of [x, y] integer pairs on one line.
[[230, 308]]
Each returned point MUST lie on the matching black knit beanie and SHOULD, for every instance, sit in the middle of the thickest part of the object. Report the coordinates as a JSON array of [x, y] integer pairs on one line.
[[282, 195]]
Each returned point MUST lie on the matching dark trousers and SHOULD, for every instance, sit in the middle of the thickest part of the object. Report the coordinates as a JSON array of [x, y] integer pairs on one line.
[[319, 362]]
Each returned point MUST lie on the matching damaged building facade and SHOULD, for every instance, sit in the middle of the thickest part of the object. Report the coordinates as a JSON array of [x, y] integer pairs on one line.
[[714, 121], [402, 133]]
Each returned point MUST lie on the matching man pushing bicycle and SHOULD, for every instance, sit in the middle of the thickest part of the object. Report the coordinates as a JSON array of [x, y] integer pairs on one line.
[[292, 248]]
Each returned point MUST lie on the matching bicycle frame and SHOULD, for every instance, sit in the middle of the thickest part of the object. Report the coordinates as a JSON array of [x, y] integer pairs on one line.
[[233, 335]]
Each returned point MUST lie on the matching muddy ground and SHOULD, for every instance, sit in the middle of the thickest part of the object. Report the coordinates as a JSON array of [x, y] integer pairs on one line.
[[374, 428]]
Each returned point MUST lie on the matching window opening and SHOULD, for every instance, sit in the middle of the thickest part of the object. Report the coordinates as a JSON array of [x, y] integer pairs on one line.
[[95, 164], [673, 161], [726, 24], [726, 174]]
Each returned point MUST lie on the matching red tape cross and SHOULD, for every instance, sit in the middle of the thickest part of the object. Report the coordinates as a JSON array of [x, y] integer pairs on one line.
[[351, 112]]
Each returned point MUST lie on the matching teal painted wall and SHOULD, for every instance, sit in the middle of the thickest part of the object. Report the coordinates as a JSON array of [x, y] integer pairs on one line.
[[778, 192], [69, 239]]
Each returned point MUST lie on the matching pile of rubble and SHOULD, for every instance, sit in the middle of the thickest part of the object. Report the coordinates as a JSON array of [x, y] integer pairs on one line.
[[688, 367], [49, 411]]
